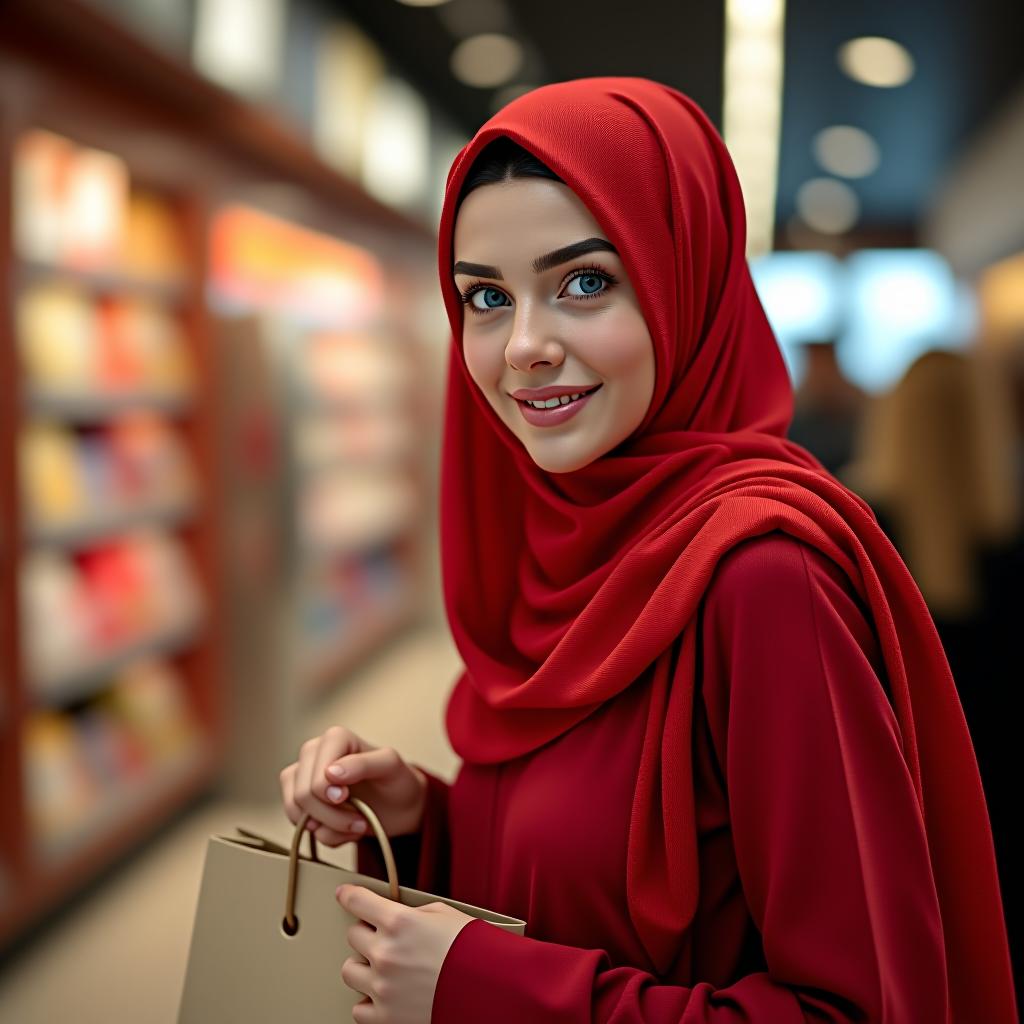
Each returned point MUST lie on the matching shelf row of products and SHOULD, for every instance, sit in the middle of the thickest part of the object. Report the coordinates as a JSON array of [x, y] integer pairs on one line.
[[355, 509], [332, 439], [355, 438], [77, 207], [73, 342], [82, 612], [106, 476], [339, 597], [358, 369], [135, 464], [81, 765]]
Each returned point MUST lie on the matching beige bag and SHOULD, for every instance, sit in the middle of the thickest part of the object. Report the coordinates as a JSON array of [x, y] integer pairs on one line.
[[269, 936]]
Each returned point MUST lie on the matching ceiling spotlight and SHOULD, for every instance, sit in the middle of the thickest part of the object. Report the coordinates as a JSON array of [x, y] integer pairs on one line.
[[846, 151], [423, 3], [486, 60], [827, 205], [875, 60]]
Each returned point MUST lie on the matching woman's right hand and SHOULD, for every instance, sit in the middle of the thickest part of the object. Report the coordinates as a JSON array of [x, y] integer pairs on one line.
[[395, 790]]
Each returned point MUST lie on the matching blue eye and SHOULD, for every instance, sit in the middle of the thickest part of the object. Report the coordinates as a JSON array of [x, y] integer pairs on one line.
[[590, 283], [591, 279], [492, 297]]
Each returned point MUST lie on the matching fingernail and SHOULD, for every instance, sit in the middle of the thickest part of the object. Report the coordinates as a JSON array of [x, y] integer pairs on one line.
[[312, 825], [359, 826], [334, 792], [336, 771]]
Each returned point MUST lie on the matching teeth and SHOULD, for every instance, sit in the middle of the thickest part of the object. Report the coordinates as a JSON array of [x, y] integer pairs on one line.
[[552, 402]]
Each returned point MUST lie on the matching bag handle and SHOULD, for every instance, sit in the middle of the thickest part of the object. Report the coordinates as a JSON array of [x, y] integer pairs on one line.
[[293, 857]]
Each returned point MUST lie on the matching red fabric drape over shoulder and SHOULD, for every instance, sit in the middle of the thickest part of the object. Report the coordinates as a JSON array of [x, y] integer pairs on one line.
[[561, 588]]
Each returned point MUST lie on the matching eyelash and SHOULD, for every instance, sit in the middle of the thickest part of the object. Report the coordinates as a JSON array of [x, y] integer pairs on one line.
[[609, 279]]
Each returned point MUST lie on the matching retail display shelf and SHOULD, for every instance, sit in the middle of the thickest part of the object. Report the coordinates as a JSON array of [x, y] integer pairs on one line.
[[375, 535], [86, 678], [122, 804], [362, 634], [318, 466], [58, 867], [104, 282], [98, 528], [148, 473], [384, 402], [98, 407]]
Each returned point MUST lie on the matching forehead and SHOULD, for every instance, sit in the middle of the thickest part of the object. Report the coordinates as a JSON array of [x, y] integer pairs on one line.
[[525, 211]]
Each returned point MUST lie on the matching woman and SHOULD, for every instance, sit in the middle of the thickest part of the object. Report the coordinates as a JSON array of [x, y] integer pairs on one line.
[[938, 460], [712, 751]]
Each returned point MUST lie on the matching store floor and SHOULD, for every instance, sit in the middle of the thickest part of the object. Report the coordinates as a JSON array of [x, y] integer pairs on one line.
[[118, 954]]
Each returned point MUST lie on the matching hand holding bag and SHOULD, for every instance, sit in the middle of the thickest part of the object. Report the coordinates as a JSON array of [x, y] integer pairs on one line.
[[269, 937]]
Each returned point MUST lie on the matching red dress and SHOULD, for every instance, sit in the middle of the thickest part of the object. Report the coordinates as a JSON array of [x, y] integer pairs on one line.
[[817, 898]]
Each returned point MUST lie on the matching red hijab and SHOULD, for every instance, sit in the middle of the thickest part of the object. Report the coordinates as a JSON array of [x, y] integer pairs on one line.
[[561, 589]]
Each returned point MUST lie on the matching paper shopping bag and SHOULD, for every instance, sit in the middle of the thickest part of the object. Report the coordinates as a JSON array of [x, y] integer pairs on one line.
[[269, 936]]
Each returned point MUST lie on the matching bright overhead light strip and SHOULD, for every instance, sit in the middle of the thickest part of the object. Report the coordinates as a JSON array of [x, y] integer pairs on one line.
[[753, 69]]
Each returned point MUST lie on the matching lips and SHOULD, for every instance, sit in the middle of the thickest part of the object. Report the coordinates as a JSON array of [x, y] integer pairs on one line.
[[557, 414], [540, 396]]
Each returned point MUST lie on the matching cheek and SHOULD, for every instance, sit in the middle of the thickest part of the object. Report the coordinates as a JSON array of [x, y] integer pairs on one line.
[[624, 350], [485, 365], [477, 362]]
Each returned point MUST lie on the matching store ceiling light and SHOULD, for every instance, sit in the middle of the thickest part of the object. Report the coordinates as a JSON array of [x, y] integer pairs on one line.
[[846, 151], [875, 60], [397, 143], [487, 60], [752, 108], [756, 14], [240, 44], [827, 205]]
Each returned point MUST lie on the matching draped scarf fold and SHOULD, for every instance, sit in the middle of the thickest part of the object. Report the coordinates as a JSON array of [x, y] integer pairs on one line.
[[563, 589]]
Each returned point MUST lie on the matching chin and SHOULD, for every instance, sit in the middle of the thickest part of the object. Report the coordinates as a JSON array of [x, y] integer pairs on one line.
[[562, 465]]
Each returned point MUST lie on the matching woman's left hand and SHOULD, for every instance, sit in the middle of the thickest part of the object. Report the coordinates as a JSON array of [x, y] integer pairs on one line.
[[401, 960]]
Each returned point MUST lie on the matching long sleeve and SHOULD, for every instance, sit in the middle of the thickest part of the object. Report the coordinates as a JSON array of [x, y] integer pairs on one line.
[[830, 848], [423, 858]]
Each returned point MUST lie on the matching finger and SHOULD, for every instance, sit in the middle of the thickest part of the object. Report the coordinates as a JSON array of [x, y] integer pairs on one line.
[[286, 779], [336, 743], [335, 739], [358, 976], [338, 825], [365, 1012], [291, 808], [341, 826], [330, 836], [368, 906], [379, 763], [360, 936], [304, 774]]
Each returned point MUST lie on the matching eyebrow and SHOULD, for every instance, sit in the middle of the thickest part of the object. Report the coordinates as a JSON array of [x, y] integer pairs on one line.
[[541, 263]]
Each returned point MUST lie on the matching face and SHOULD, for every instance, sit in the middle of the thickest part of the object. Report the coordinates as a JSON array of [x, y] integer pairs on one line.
[[537, 317]]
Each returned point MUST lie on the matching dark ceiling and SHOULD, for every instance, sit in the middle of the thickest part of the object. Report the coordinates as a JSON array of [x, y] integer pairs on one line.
[[968, 58]]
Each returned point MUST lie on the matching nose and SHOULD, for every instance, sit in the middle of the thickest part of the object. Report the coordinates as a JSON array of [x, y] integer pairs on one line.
[[532, 342]]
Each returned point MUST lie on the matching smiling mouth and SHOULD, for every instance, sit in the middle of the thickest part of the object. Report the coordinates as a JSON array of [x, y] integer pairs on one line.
[[582, 395]]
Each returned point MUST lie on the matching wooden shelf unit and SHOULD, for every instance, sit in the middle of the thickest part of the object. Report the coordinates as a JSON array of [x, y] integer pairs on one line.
[[69, 69]]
